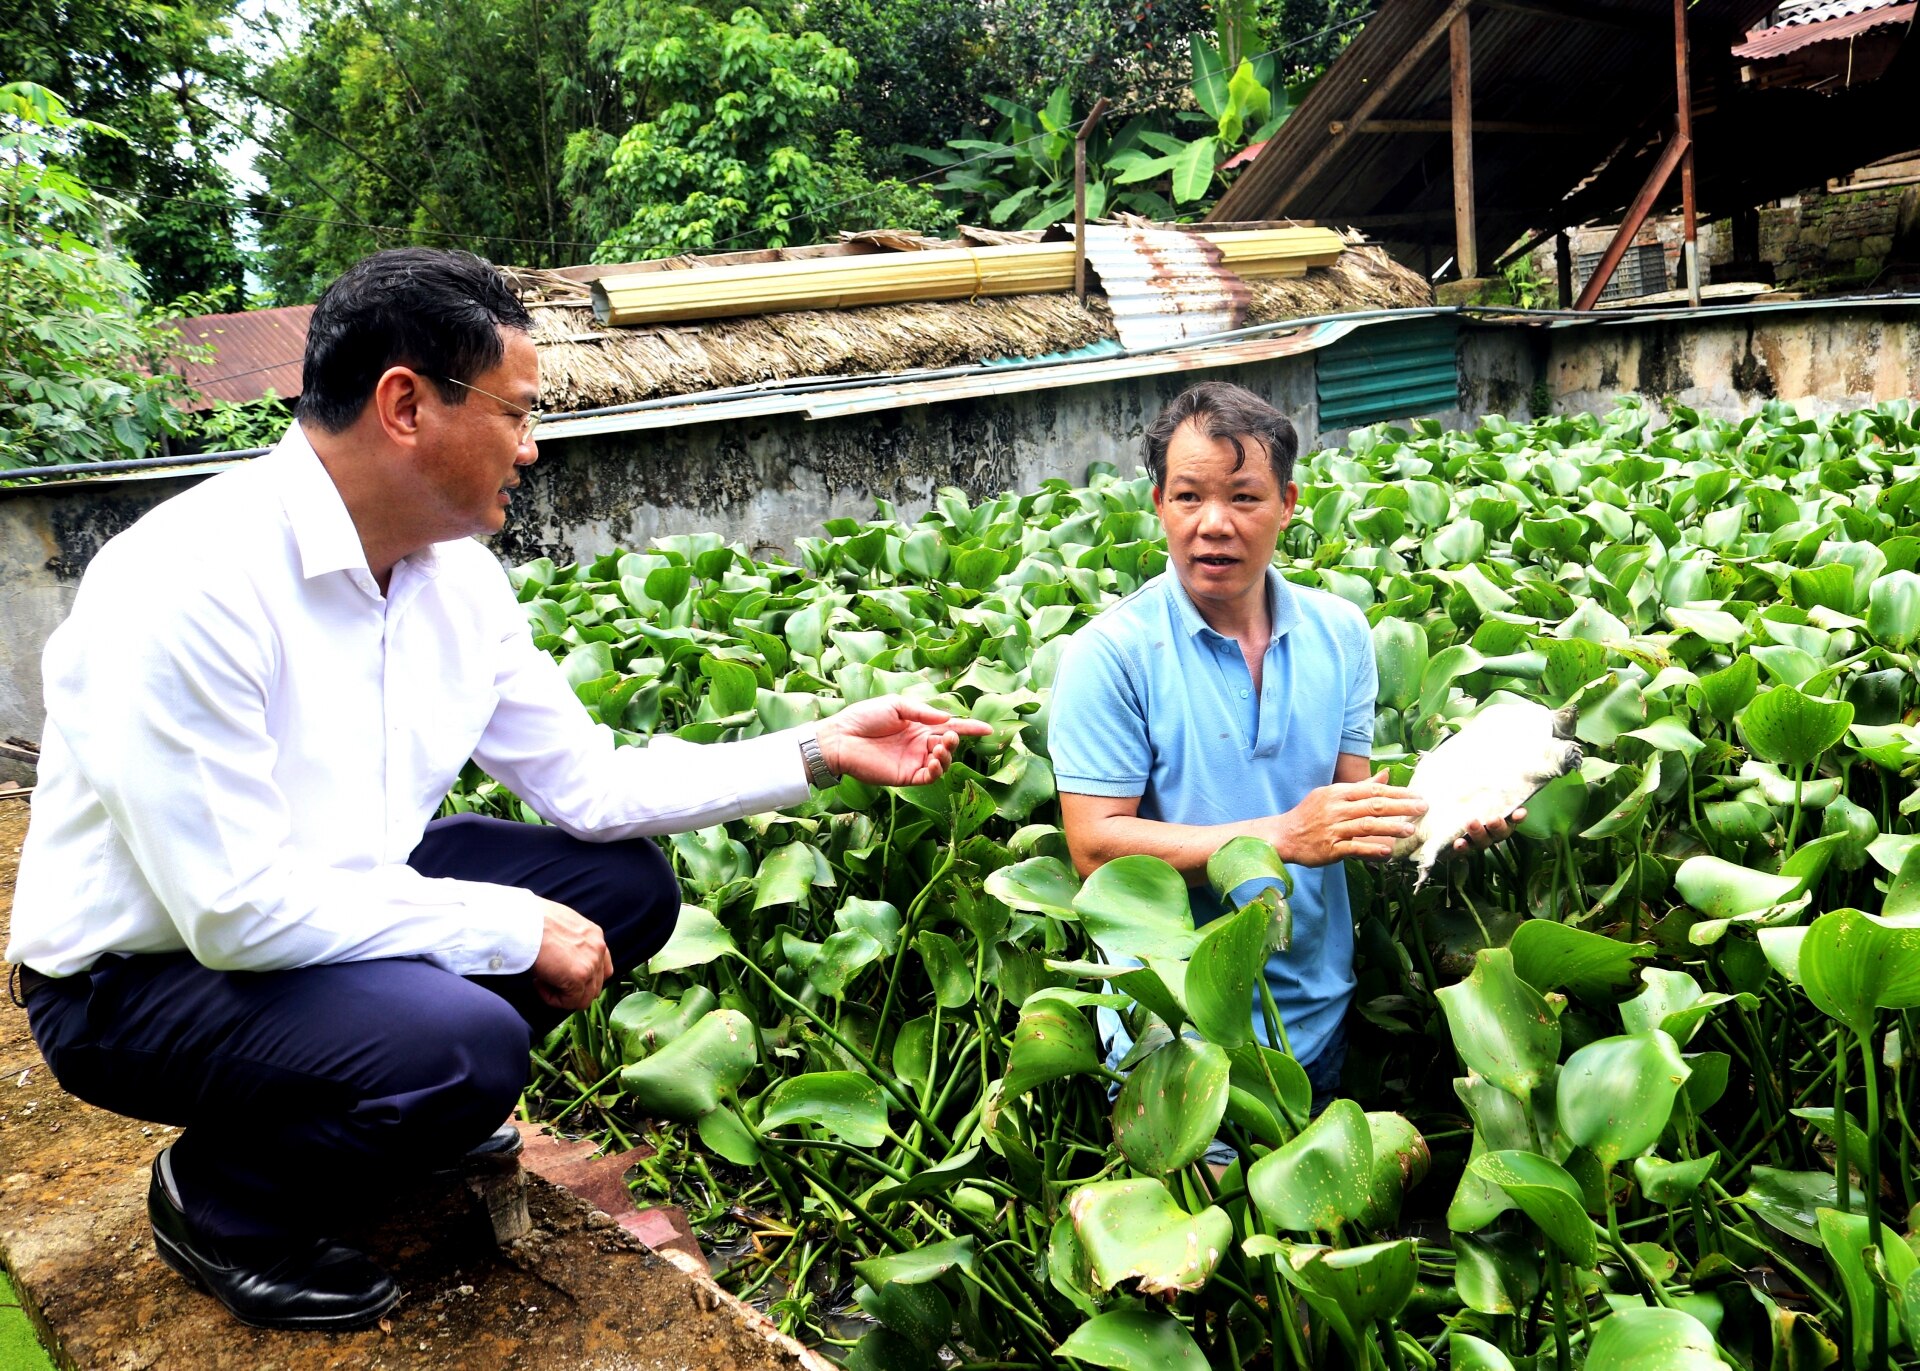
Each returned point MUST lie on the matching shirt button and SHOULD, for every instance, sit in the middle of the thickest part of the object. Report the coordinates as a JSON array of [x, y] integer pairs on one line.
[[1243, 694], [495, 962]]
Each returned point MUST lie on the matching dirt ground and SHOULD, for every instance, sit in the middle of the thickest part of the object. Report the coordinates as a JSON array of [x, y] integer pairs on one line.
[[577, 1293]]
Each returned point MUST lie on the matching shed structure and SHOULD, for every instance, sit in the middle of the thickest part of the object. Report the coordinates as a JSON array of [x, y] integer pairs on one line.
[[1458, 128]]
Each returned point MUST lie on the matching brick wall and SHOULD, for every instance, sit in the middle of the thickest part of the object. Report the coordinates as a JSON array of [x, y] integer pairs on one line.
[[1818, 237], [1814, 240]]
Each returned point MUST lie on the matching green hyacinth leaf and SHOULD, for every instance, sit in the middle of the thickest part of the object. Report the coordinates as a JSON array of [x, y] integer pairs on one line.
[[1552, 956], [1365, 1284], [1791, 1200], [697, 939], [1821, 1117], [1133, 1231], [1845, 1238], [1044, 885], [724, 1134], [918, 1266], [1653, 1340], [1725, 890], [842, 957], [1171, 1106], [697, 1070], [1893, 609], [1400, 654], [1731, 689], [1674, 1003], [1468, 1353], [1130, 1340], [1546, 1194], [1502, 1027], [1224, 969], [1400, 1162], [643, 1022], [845, 1104], [1053, 1040], [1243, 859], [1789, 728], [1853, 964], [1496, 1272], [1615, 1095], [1671, 1183], [1137, 907], [1322, 1178]]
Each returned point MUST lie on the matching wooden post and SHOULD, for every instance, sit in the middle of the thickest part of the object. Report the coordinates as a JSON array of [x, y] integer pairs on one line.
[[1690, 246], [1466, 248], [1563, 268], [1636, 216], [1080, 199]]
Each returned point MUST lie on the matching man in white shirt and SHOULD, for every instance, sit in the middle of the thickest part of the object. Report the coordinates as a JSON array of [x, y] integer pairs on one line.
[[235, 912]]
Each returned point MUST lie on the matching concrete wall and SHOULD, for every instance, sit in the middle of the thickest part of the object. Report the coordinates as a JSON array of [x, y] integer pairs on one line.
[[1821, 359], [767, 482]]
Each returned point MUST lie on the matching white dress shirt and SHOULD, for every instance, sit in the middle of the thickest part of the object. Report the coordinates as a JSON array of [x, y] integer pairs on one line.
[[245, 739]]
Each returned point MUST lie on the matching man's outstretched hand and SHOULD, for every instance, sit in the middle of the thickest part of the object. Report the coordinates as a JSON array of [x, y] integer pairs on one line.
[[573, 961], [893, 740]]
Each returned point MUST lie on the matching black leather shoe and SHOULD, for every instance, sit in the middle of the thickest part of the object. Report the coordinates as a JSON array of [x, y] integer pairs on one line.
[[497, 1153], [291, 1283]]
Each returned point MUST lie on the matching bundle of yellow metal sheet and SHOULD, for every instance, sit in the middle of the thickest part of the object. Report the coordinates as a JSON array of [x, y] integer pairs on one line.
[[660, 297]]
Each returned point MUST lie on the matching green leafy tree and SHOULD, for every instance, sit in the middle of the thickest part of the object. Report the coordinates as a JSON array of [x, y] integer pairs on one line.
[[389, 124], [163, 76], [741, 148], [75, 344]]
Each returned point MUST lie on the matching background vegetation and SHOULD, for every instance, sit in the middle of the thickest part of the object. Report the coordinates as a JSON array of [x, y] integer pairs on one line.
[[1629, 1092], [552, 132]]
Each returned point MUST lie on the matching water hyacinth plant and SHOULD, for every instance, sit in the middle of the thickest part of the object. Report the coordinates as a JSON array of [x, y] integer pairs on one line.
[[1631, 1091]]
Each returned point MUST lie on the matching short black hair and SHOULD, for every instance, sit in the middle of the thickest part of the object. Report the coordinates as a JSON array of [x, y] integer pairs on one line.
[[436, 311], [1224, 411]]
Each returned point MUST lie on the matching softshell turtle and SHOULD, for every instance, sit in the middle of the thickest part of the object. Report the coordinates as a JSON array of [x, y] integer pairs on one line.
[[1486, 771]]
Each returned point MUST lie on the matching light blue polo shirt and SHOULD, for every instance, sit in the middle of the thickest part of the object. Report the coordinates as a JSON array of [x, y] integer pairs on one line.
[[1151, 702]]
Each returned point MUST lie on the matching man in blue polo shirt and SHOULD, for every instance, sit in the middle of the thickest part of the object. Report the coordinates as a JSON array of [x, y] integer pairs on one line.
[[1219, 699]]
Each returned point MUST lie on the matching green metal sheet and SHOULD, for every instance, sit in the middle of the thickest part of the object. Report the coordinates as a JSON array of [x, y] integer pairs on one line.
[[1390, 370]]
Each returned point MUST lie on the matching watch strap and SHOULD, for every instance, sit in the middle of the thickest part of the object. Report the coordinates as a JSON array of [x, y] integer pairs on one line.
[[819, 774]]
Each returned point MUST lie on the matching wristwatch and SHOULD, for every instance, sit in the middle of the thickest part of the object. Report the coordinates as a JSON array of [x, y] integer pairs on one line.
[[819, 774]]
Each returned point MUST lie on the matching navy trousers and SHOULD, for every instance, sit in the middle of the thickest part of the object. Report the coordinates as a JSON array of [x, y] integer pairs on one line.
[[307, 1095]]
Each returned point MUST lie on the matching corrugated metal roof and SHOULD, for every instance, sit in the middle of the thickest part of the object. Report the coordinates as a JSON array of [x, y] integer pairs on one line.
[[1797, 34], [1594, 84], [1818, 11], [253, 353], [1164, 285]]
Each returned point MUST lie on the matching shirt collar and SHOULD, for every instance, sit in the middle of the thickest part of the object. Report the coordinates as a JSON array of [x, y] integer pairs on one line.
[[322, 528], [1281, 600]]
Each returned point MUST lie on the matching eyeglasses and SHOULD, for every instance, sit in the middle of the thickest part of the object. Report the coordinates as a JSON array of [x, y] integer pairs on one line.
[[529, 418]]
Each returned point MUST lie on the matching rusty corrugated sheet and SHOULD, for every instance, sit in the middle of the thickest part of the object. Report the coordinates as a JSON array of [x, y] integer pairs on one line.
[[1584, 78], [253, 353], [1799, 33], [1164, 285]]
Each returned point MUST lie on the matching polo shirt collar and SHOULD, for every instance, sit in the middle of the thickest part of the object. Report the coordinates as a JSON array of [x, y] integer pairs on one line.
[[1281, 600], [322, 529]]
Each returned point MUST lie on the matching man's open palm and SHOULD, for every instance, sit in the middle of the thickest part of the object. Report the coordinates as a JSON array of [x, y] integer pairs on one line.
[[894, 740]]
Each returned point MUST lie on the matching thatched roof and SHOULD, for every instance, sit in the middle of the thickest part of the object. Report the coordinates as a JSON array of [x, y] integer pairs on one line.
[[585, 365]]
